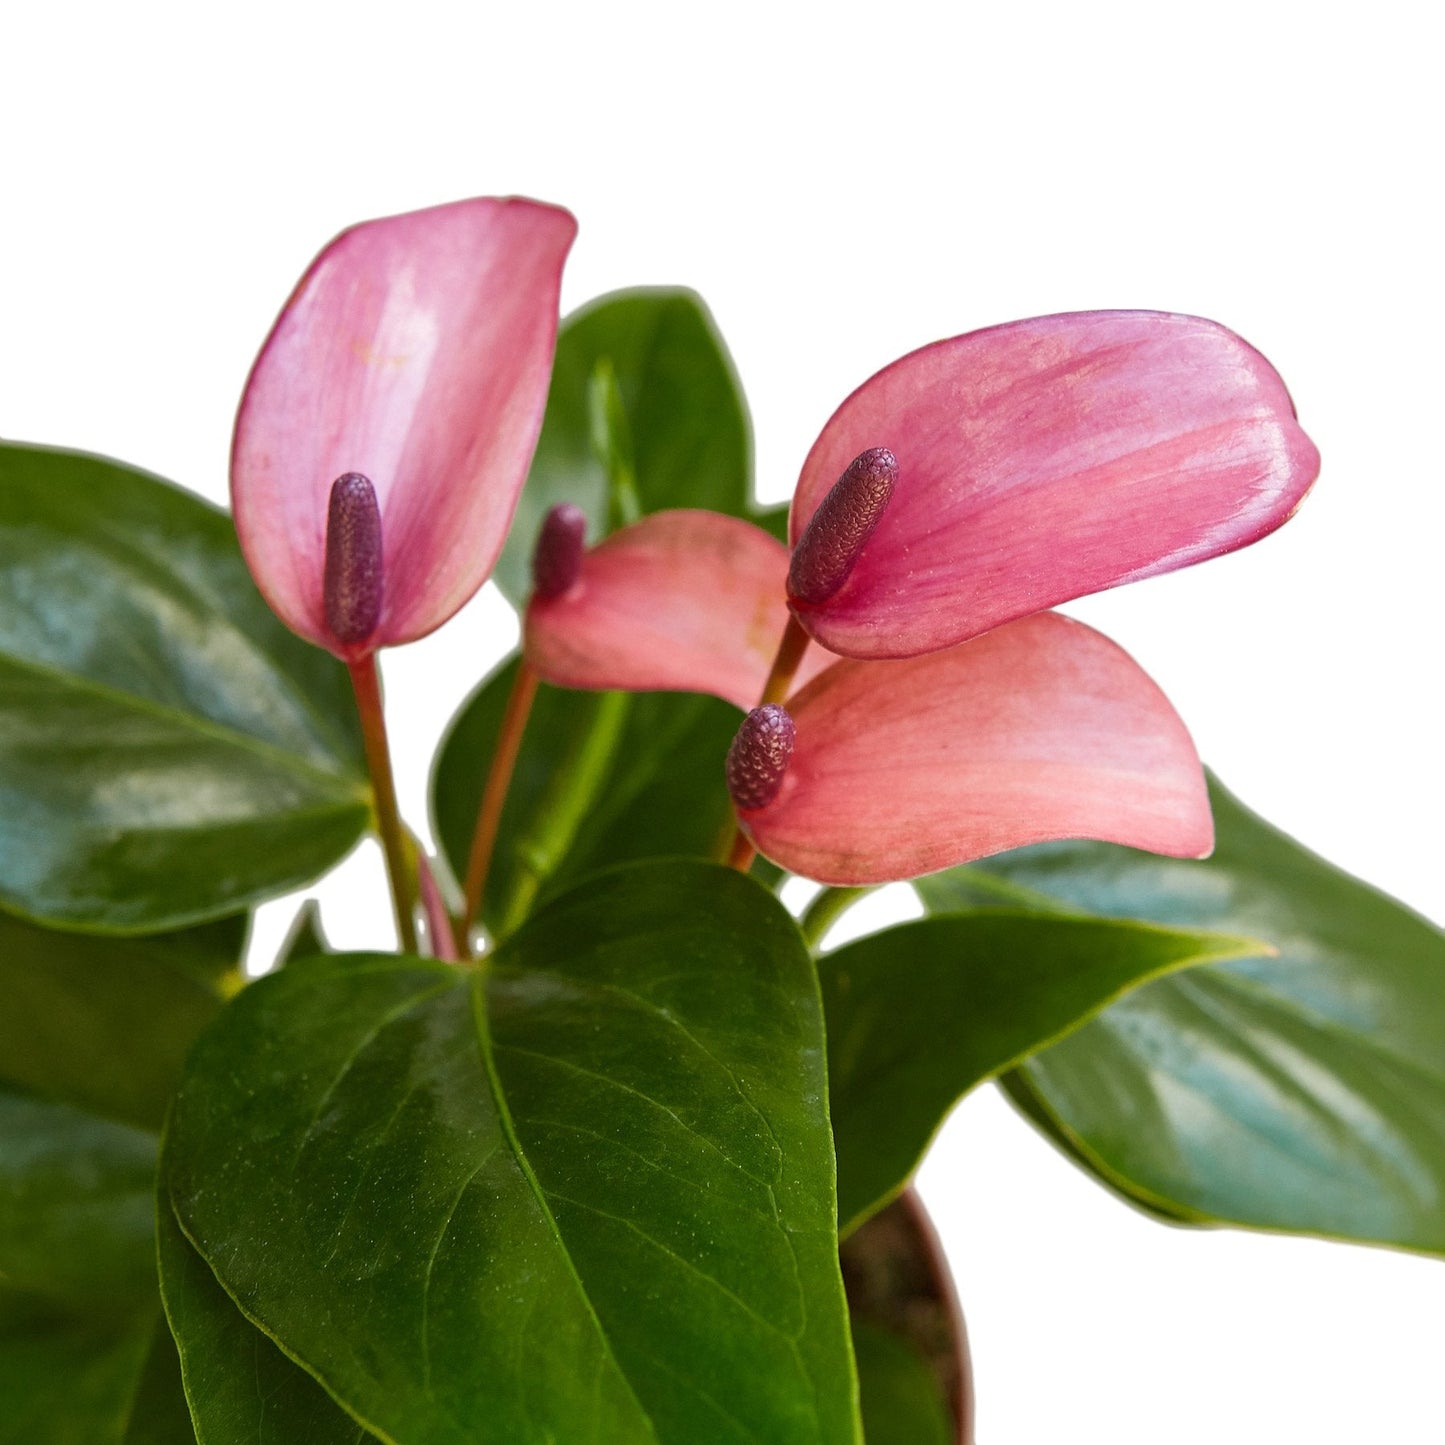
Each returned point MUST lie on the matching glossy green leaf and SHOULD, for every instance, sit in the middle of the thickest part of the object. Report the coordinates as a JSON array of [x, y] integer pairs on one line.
[[104, 1023], [168, 751], [602, 778], [583, 1194], [1303, 1092], [645, 413], [242, 1389], [75, 1224], [66, 1380], [920, 1014]]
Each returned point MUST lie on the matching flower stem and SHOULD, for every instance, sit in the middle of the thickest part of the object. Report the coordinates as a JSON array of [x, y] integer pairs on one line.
[[790, 653], [400, 865], [825, 910], [494, 796], [738, 851]]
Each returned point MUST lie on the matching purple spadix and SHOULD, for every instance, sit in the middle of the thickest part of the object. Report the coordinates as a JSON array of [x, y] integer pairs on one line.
[[759, 756], [836, 533], [557, 559], [352, 584]]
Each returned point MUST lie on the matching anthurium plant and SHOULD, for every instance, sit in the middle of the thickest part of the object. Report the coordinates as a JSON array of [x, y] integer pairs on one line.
[[606, 1145]]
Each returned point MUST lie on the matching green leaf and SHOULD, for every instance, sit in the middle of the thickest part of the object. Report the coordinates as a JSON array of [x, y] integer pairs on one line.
[[75, 1226], [920, 1014], [645, 413], [105, 1023], [900, 1399], [1302, 1092], [159, 1414], [584, 1192], [602, 778], [67, 1380], [305, 936], [242, 1389], [169, 752]]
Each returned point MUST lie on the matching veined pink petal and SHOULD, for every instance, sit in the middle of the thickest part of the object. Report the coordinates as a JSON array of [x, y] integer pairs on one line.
[[684, 601], [1048, 459], [1041, 729], [416, 351]]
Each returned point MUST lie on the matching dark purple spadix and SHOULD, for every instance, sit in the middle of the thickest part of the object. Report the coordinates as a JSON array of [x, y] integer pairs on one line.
[[351, 585], [834, 537], [558, 556], [759, 755]]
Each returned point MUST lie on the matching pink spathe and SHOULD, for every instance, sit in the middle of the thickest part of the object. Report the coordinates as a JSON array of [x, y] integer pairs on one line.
[[1047, 459], [417, 351], [683, 601], [1042, 729]]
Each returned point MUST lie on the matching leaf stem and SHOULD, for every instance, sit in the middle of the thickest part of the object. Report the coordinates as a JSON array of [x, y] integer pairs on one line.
[[825, 910], [494, 796], [400, 862]]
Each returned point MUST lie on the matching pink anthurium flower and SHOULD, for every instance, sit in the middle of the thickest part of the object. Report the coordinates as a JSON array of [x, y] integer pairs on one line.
[[972, 482], [389, 421], [1037, 462], [1041, 729], [684, 601]]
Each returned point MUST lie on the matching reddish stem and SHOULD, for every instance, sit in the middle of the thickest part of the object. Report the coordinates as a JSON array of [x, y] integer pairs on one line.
[[399, 865], [494, 796]]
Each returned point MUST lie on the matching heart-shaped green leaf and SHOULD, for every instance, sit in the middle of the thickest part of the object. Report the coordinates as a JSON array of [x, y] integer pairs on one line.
[[922, 1013], [168, 751], [645, 412], [1301, 1092], [602, 778], [582, 1193]]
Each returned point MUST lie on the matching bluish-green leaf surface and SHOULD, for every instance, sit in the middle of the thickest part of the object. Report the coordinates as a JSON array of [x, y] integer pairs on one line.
[[645, 413], [584, 1193], [601, 778], [169, 752], [1301, 1092], [922, 1013]]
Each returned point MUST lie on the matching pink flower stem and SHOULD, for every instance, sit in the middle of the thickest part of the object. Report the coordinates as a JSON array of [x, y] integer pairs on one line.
[[400, 865], [790, 653], [494, 796], [735, 850]]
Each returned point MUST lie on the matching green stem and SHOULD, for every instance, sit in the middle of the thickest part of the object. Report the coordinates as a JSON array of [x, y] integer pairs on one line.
[[400, 865], [825, 910], [494, 797]]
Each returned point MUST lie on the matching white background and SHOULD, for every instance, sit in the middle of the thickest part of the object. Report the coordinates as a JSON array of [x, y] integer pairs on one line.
[[843, 187]]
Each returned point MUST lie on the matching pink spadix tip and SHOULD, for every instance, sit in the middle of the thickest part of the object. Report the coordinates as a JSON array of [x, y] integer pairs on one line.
[[835, 535], [557, 560], [759, 756], [351, 582]]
